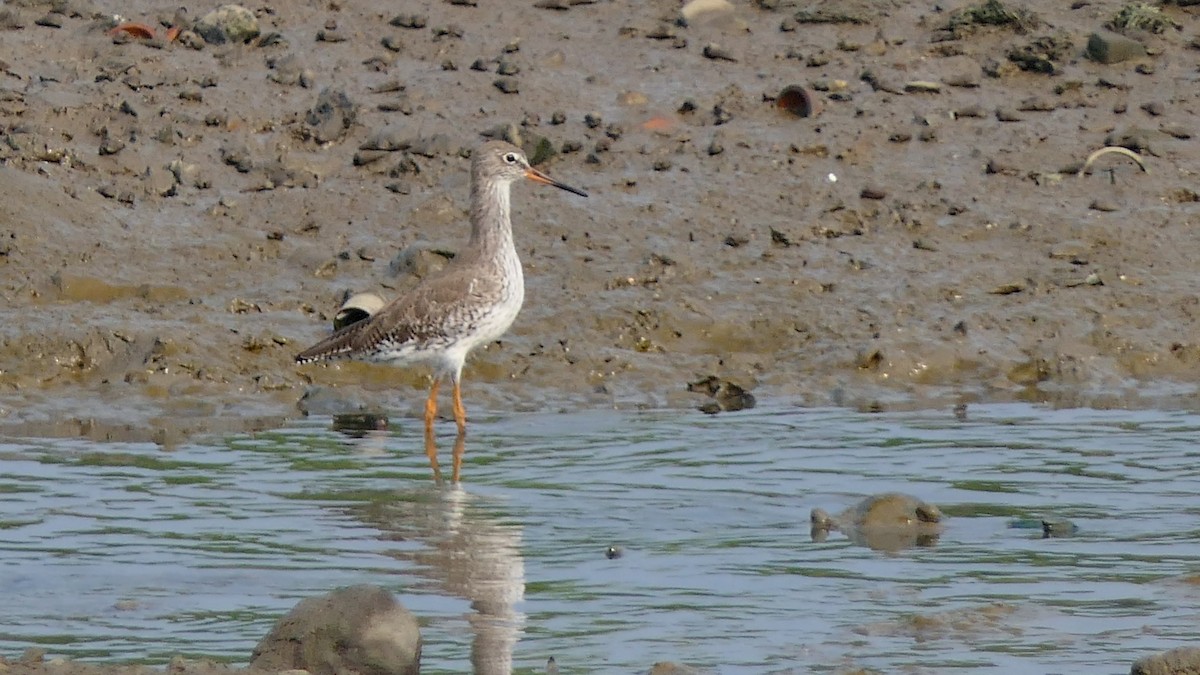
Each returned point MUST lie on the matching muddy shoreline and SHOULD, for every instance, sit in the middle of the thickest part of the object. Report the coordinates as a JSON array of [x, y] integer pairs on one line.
[[180, 218]]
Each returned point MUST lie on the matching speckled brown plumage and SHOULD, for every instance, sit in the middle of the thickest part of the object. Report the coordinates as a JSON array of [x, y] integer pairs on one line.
[[471, 302]]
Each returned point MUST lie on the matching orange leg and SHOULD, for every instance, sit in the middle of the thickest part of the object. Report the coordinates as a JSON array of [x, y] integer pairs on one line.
[[431, 442], [459, 448], [431, 407], [431, 452], [460, 413]]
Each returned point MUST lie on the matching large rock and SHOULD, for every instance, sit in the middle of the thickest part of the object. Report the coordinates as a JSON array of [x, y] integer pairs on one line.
[[885, 522], [1178, 661], [357, 629]]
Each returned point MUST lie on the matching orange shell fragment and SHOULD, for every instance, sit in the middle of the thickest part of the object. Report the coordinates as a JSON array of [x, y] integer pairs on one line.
[[135, 29]]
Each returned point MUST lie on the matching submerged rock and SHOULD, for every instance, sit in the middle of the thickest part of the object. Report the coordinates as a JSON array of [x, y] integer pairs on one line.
[[360, 629], [887, 522], [1178, 661]]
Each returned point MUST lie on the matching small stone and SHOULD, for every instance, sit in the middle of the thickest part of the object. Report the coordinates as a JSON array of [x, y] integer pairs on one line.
[[632, 98], [1005, 114], [1107, 47], [1154, 108], [1008, 289], [507, 85], [715, 147], [331, 35], [227, 23], [1176, 131], [922, 87], [873, 192], [413, 21], [717, 53], [973, 110], [1036, 104], [1074, 251], [332, 116], [1104, 205], [110, 146]]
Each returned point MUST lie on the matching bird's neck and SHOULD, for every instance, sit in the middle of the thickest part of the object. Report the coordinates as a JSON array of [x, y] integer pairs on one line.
[[491, 228]]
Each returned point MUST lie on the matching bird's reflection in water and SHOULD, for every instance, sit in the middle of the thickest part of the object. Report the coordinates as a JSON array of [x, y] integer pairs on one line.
[[467, 551]]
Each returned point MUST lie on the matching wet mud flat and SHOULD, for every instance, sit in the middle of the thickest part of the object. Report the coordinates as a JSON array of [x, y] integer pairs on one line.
[[179, 217]]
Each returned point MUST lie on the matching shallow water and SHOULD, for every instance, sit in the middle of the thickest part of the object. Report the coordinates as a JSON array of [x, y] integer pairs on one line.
[[118, 551]]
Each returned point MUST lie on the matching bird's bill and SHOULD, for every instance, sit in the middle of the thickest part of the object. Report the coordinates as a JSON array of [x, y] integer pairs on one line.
[[539, 177]]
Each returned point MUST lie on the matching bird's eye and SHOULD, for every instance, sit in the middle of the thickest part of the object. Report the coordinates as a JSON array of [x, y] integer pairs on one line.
[[511, 158]]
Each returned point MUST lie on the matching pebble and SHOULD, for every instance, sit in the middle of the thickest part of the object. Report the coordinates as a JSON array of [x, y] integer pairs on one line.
[[331, 35], [717, 53], [332, 116], [1036, 104], [110, 146], [961, 71], [507, 85], [1008, 115], [1137, 139], [1008, 289], [696, 8], [972, 110], [413, 21], [715, 147], [419, 260], [923, 87], [1108, 48], [1075, 251], [1103, 205], [1176, 131], [227, 23]]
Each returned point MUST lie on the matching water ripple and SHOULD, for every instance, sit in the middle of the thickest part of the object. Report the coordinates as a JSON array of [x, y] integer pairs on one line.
[[127, 551]]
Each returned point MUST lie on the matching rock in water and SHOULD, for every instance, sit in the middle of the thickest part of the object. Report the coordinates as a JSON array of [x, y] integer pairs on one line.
[[357, 629]]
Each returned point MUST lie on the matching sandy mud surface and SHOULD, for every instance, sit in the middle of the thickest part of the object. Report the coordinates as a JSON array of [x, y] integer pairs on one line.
[[179, 218]]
